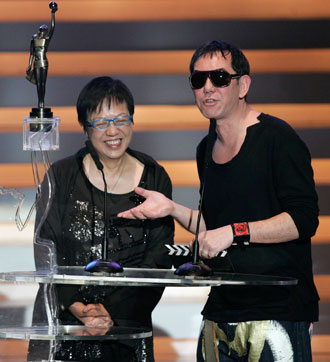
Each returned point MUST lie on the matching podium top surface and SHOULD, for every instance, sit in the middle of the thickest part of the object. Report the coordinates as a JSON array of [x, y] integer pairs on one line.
[[66, 332], [141, 277]]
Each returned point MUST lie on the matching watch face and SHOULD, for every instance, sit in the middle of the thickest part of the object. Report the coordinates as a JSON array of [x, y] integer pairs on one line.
[[241, 233], [241, 229]]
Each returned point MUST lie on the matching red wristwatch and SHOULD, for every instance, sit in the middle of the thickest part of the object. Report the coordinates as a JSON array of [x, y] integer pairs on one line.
[[241, 233]]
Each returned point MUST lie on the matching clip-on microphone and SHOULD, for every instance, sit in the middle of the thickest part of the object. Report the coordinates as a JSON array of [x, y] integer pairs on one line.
[[104, 264], [196, 267]]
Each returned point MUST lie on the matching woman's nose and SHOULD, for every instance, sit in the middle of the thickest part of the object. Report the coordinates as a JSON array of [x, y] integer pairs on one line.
[[112, 129]]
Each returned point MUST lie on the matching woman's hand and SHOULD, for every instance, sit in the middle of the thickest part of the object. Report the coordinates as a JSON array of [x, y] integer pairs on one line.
[[155, 206], [92, 315]]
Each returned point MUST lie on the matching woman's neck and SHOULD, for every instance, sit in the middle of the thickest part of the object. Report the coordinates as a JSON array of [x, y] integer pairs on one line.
[[121, 175]]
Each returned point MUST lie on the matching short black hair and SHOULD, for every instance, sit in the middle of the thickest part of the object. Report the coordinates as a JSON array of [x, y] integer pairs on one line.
[[239, 62], [97, 91]]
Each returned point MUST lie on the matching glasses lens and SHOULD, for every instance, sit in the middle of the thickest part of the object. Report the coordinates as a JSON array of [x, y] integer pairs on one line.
[[198, 79], [100, 123], [122, 120], [220, 78]]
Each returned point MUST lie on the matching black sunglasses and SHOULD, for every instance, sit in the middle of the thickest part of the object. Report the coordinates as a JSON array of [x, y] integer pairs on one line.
[[219, 78]]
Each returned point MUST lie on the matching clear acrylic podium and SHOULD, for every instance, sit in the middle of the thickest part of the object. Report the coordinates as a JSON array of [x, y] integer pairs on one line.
[[130, 277], [53, 331]]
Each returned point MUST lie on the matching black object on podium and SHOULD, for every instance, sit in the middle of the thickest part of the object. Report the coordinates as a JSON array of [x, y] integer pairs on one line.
[[181, 254]]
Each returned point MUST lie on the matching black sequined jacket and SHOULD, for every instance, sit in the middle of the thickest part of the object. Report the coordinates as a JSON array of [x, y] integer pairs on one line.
[[76, 228]]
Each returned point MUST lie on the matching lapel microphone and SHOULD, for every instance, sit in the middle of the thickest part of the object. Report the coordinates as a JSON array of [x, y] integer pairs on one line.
[[104, 264]]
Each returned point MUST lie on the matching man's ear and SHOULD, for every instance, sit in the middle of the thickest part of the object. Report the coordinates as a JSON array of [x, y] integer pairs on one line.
[[244, 85]]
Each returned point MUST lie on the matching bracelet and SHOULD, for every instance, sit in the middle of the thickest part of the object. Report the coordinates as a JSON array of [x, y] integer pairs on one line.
[[241, 233], [190, 219]]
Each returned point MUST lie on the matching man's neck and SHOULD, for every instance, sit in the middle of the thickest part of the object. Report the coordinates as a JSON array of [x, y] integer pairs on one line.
[[231, 134], [233, 128]]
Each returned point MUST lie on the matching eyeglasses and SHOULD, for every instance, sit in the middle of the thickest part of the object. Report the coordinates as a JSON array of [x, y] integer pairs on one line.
[[219, 78], [118, 121]]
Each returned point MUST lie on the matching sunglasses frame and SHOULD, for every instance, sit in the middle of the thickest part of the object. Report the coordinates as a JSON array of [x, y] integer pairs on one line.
[[209, 75]]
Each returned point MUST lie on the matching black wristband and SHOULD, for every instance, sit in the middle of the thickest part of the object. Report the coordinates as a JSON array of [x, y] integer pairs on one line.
[[241, 233]]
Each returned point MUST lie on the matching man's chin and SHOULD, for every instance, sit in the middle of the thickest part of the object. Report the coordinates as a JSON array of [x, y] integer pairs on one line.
[[208, 114]]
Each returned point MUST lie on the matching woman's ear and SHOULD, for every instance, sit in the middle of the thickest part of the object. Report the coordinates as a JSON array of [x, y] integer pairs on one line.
[[244, 85]]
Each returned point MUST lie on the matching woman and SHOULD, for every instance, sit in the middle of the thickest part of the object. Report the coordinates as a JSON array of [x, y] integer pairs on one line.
[[75, 221]]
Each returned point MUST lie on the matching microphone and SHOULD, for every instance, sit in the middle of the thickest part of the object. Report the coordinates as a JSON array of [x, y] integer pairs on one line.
[[104, 264], [197, 267]]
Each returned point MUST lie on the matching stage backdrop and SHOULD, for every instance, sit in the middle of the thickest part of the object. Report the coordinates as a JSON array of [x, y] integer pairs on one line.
[[148, 44]]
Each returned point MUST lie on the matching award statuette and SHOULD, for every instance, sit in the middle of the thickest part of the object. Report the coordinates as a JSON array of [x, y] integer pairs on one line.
[[41, 128]]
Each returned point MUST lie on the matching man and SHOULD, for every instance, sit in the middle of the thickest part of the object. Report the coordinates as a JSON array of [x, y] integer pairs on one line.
[[259, 194]]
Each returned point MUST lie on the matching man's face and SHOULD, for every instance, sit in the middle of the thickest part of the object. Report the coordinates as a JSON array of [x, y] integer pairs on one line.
[[216, 102]]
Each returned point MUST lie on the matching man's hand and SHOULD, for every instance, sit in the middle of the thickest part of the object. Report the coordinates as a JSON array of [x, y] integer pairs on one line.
[[92, 315], [212, 242], [155, 206]]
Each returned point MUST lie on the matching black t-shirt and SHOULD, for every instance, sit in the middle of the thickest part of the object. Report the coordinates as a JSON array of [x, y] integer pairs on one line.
[[270, 174]]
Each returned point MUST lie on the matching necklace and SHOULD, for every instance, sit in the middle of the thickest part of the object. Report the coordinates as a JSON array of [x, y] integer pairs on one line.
[[119, 174]]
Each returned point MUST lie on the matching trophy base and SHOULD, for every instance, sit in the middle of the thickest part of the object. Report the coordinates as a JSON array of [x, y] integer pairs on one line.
[[41, 113], [41, 133], [194, 269], [103, 266]]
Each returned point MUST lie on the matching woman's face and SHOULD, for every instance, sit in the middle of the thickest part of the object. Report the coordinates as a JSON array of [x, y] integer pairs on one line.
[[112, 142]]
